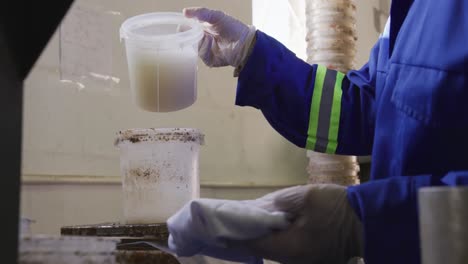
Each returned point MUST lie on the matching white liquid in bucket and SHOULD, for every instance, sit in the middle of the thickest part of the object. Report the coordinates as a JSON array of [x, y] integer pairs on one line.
[[162, 55], [163, 80]]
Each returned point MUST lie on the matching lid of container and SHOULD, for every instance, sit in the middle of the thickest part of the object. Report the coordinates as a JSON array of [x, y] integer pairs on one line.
[[161, 28], [160, 134]]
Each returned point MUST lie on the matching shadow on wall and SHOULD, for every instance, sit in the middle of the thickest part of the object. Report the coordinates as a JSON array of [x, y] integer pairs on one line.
[[381, 13], [364, 173], [286, 151]]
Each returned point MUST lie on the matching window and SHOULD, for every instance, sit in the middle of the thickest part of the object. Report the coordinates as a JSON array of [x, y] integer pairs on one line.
[[284, 20]]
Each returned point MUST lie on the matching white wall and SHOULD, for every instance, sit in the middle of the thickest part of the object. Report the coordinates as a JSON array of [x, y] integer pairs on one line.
[[71, 132], [284, 20], [371, 17], [68, 133]]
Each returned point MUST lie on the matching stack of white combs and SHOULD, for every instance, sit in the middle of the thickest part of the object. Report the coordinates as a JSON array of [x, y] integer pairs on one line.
[[325, 168], [331, 41], [331, 33]]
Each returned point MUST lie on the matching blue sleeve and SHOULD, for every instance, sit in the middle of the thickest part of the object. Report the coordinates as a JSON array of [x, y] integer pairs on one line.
[[388, 208], [313, 107]]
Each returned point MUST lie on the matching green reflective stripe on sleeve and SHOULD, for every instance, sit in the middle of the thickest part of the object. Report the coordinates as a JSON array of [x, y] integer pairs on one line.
[[335, 115], [315, 107], [325, 111]]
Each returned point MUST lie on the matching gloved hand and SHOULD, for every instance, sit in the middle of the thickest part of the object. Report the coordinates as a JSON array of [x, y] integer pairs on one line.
[[212, 227], [325, 228], [226, 41], [322, 227]]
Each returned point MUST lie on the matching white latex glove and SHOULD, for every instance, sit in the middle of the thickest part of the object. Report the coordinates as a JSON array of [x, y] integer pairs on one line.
[[325, 228], [226, 41], [213, 227]]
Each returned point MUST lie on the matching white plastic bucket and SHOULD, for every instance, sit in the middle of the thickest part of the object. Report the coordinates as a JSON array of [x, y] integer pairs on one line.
[[162, 56], [443, 216], [159, 170]]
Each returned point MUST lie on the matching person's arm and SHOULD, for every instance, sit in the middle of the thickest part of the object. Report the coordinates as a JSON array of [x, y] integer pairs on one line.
[[388, 208], [311, 106]]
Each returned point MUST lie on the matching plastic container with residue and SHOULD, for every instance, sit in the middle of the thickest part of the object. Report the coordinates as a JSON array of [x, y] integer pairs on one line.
[[159, 170]]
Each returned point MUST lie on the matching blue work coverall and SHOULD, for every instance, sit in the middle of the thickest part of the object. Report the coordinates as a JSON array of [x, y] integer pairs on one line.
[[408, 107]]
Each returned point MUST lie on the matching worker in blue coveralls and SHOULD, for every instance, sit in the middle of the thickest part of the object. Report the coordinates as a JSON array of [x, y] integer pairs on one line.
[[408, 107]]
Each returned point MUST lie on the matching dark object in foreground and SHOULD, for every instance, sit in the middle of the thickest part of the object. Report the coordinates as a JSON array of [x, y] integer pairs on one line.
[[157, 232], [24, 32], [128, 250]]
